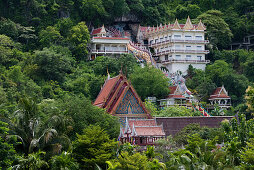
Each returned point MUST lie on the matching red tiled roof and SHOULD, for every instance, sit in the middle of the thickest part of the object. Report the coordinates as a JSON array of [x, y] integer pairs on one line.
[[109, 84], [149, 131], [113, 92], [96, 31], [218, 94], [142, 122], [172, 89], [111, 38]]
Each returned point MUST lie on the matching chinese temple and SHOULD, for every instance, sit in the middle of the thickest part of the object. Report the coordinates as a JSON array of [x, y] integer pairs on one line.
[[119, 98]]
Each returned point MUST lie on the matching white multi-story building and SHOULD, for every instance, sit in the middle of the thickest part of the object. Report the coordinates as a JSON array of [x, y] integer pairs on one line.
[[176, 46], [108, 43]]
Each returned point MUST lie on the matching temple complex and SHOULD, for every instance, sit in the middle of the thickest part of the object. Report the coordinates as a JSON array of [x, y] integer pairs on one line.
[[173, 46], [120, 99]]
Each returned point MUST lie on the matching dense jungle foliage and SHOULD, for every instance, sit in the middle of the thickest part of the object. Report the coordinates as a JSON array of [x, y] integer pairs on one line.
[[47, 86]]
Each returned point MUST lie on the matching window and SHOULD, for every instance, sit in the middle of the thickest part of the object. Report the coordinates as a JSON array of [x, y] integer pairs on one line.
[[199, 38], [199, 57], [188, 37], [161, 39], [166, 38], [177, 36], [188, 57], [199, 47], [177, 46], [166, 57], [151, 42], [178, 56], [188, 47], [156, 40]]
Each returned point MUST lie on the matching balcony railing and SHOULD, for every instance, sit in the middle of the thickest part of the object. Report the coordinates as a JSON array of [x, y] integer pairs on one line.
[[109, 51], [182, 51], [185, 61], [154, 44]]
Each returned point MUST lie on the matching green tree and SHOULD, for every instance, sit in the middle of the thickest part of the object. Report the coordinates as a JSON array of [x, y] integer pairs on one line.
[[93, 147], [218, 31], [126, 161], [33, 161], [50, 36], [63, 161], [149, 81], [247, 155], [249, 97], [79, 37], [8, 51], [7, 151], [177, 111], [83, 113], [53, 63]]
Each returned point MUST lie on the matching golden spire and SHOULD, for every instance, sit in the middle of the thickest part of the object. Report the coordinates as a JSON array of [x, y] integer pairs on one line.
[[176, 25], [188, 25]]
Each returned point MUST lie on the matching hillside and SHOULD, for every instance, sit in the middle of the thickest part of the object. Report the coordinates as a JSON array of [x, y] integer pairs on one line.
[[47, 84]]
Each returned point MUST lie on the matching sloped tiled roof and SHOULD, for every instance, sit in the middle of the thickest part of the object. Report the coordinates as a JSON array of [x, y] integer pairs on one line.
[[173, 94], [219, 92], [107, 87], [142, 122], [96, 31], [113, 92], [149, 131]]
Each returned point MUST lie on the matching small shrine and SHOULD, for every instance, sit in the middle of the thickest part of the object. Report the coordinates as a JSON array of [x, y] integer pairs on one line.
[[220, 97], [119, 98], [179, 93]]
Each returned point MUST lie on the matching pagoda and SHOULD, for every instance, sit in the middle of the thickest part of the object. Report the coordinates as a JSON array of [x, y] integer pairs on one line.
[[119, 98]]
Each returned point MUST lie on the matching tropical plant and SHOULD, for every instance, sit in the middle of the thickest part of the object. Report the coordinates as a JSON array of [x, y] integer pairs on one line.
[[93, 147], [34, 133], [7, 151], [64, 161], [33, 161]]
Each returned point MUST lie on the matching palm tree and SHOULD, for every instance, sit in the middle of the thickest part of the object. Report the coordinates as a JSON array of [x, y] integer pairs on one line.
[[35, 133]]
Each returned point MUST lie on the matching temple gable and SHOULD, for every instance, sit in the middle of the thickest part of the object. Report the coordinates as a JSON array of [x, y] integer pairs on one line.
[[129, 105]]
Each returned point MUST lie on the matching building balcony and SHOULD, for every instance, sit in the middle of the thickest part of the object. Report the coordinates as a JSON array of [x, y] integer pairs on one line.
[[109, 51], [178, 41], [185, 61], [170, 51]]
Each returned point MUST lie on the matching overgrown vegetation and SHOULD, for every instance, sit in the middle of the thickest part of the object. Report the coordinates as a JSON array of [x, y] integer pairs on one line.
[[47, 85]]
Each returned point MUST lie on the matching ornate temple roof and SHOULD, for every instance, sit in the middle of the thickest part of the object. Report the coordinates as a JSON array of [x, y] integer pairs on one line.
[[219, 93], [176, 26], [175, 93], [142, 127], [113, 92]]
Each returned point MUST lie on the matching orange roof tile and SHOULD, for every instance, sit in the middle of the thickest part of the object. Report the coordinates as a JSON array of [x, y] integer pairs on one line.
[[107, 87], [142, 122], [149, 131]]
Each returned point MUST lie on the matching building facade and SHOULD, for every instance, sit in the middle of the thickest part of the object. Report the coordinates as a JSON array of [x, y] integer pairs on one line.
[[176, 46], [108, 42]]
